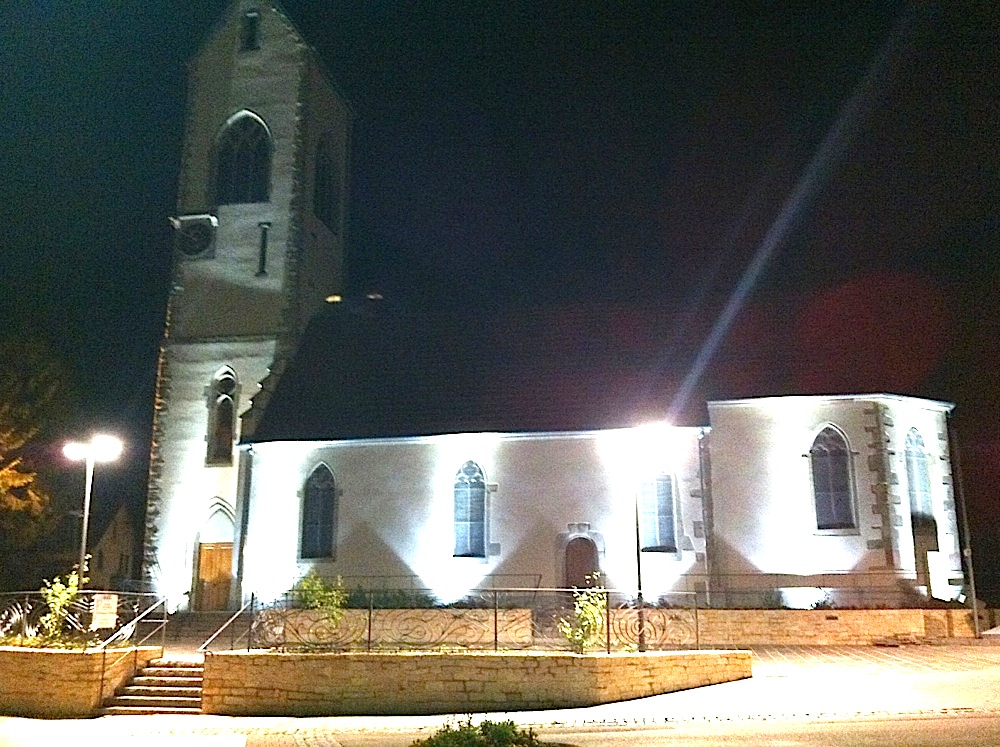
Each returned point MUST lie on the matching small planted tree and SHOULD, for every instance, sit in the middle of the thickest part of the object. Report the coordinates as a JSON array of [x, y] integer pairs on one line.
[[59, 598], [590, 606]]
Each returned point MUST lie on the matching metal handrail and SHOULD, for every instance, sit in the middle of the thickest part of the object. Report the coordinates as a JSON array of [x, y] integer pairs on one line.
[[18, 609], [126, 630], [203, 648]]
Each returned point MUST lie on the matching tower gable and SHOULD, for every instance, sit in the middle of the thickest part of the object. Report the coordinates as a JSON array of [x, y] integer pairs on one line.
[[259, 107]]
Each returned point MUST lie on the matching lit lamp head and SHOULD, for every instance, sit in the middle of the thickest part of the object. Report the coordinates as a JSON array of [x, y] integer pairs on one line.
[[101, 448]]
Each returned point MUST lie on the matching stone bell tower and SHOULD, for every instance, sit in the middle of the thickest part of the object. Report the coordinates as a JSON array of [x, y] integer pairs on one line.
[[259, 245]]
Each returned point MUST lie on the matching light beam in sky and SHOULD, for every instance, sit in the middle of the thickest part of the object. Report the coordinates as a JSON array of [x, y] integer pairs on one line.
[[809, 185]]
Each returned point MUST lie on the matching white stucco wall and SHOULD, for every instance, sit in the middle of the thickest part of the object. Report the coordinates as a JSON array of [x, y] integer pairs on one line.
[[396, 503], [762, 491]]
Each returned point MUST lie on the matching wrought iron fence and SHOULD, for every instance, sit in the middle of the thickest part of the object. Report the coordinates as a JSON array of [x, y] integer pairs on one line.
[[381, 616], [488, 619], [21, 615]]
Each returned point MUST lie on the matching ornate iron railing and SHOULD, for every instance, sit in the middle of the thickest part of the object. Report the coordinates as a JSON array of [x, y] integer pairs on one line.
[[21, 614], [487, 619]]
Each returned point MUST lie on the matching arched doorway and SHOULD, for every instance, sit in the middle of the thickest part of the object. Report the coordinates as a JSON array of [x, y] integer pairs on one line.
[[581, 562], [215, 560]]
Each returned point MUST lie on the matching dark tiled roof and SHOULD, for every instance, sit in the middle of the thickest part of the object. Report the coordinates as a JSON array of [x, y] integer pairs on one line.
[[370, 370]]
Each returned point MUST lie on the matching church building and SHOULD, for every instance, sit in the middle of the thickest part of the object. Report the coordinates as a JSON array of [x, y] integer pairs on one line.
[[298, 429]]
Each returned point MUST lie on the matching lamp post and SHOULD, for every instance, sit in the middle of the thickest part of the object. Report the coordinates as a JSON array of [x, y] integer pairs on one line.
[[638, 577], [100, 448]]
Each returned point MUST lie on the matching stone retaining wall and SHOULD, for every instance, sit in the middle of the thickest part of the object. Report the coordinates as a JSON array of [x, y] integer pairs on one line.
[[271, 683], [56, 683], [828, 627]]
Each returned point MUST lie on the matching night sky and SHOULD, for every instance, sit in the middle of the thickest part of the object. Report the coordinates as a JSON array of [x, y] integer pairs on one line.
[[555, 153]]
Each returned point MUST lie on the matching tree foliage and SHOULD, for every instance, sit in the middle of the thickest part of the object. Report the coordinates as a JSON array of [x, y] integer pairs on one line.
[[32, 389], [313, 592], [590, 607], [60, 597]]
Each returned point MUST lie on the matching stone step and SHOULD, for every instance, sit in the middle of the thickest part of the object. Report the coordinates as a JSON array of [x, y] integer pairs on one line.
[[186, 663], [160, 691], [165, 686], [142, 701], [116, 710], [146, 681], [166, 670]]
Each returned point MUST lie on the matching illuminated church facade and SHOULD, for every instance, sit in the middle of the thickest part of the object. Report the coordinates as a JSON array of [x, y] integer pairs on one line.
[[297, 429]]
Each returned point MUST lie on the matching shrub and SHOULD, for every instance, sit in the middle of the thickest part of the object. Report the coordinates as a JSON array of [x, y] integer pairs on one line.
[[59, 598], [590, 606], [313, 592], [389, 599], [486, 734]]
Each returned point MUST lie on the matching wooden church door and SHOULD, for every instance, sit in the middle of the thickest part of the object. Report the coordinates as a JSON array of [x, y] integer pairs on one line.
[[215, 575]]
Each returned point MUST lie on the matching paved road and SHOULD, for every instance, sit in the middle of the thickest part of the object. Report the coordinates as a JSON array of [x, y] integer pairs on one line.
[[798, 695]]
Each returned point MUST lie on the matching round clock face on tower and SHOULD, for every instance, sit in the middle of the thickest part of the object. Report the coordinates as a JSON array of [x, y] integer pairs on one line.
[[194, 239]]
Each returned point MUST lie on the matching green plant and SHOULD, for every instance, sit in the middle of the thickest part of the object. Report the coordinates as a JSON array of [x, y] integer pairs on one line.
[[590, 606], [389, 599], [59, 598], [313, 592], [486, 734]]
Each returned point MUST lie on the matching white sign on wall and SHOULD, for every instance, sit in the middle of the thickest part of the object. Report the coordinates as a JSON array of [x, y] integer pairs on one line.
[[105, 611]]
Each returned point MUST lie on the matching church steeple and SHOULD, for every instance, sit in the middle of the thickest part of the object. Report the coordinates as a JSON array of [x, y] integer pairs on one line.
[[259, 244], [266, 149]]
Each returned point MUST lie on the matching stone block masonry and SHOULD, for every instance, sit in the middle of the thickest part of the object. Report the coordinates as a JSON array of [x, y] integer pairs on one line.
[[56, 683], [271, 683], [834, 627]]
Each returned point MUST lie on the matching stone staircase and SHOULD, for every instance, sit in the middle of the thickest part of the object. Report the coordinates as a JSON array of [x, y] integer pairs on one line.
[[173, 684], [165, 686]]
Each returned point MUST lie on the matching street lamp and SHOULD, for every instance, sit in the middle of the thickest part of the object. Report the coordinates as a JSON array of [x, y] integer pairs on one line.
[[100, 448], [640, 602]]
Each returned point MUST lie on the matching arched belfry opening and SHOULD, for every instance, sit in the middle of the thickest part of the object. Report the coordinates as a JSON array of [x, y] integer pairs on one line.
[[243, 160]]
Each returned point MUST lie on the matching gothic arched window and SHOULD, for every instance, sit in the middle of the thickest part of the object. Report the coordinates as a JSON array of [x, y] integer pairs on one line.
[[918, 478], [326, 186], [656, 515], [243, 161], [470, 512], [319, 515], [831, 473], [221, 418]]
